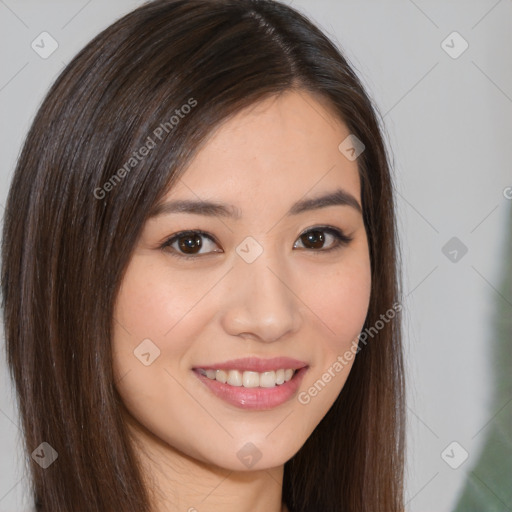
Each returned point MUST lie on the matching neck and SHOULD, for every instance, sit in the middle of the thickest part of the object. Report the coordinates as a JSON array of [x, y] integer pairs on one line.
[[179, 482]]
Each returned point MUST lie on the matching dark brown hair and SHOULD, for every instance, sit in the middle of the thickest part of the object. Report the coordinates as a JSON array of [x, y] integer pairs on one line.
[[70, 227]]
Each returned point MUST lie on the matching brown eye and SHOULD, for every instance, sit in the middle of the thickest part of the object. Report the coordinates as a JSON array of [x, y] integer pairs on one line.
[[315, 239], [188, 244]]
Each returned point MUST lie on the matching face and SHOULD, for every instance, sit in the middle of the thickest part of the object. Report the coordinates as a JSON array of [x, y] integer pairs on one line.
[[262, 281]]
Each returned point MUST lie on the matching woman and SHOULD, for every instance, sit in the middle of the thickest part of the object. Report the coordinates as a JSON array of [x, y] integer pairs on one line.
[[199, 274]]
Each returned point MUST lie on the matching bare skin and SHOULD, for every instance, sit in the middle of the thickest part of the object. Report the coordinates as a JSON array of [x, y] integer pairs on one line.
[[296, 299]]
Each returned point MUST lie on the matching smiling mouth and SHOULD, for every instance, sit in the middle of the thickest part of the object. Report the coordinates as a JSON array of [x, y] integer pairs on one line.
[[250, 389], [249, 379]]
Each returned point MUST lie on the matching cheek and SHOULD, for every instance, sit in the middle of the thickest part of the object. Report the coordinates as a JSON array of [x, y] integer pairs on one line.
[[340, 299], [154, 304], [156, 318], [151, 313]]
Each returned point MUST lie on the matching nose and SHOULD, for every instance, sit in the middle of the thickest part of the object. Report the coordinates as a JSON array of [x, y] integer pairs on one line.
[[261, 302]]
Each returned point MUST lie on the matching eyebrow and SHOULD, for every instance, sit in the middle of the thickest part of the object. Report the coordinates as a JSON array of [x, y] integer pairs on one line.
[[338, 197]]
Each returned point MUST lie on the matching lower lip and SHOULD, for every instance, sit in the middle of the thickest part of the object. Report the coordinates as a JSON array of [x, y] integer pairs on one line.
[[255, 398]]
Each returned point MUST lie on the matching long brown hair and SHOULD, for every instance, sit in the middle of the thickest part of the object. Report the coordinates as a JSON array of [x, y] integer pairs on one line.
[[73, 217]]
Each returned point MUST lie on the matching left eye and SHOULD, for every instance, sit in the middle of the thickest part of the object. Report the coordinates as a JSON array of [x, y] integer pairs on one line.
[[189, 243], [316, 238]]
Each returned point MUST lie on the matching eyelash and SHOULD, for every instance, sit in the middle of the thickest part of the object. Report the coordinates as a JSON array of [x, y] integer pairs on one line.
[[340, 240]]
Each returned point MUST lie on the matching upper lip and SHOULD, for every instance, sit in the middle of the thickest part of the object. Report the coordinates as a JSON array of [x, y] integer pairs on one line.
[[255, 364]]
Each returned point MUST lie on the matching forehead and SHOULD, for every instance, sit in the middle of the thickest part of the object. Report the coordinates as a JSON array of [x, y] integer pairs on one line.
[[284, 146]]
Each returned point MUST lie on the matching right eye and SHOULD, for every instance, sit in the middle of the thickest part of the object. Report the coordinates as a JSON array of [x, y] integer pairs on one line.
[[187, 244]]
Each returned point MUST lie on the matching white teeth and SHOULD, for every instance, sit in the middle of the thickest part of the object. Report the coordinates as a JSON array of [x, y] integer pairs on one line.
[[221, 376], [249, 379], [268, 379], [234, 378], [210, 374]]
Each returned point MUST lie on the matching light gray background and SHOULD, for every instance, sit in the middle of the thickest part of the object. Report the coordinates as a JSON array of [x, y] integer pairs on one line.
[[449, 125]]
